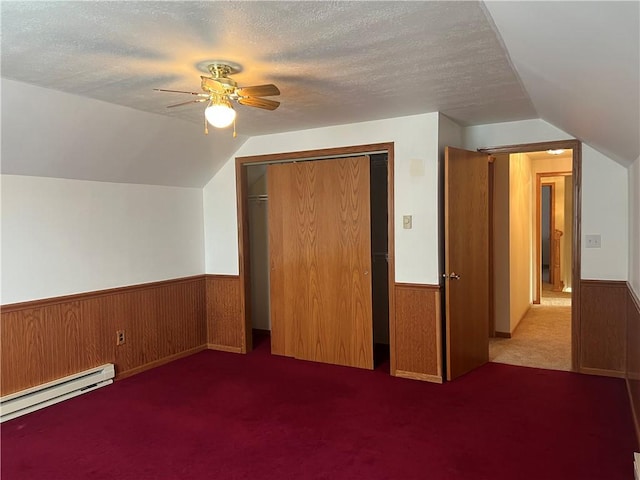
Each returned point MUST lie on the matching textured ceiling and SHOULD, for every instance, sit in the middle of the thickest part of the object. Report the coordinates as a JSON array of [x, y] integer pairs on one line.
[[335, 62]]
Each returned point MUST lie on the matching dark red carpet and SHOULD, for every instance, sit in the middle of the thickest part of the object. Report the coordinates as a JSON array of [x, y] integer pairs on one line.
[[224, 416]]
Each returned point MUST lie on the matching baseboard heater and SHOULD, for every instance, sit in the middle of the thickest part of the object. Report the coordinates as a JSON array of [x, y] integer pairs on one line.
[[35, 398]]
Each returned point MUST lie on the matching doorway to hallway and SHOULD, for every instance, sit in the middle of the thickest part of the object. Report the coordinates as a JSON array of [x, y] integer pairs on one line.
[[533, 261]]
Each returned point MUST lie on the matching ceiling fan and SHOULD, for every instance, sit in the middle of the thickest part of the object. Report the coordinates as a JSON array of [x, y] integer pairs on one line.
[[219, 90]]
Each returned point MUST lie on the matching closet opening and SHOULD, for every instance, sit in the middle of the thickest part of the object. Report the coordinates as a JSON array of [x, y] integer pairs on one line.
[[264, 199], [379, 259], [258, 223]]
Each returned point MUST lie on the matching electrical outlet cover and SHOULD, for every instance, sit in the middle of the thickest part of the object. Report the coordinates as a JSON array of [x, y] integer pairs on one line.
[[593, 241]]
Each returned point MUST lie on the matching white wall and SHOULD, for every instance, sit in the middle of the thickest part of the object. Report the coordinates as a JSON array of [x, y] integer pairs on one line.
[[545, 233], [48, 133], [501, 260], [605, 207], [221, 222], [450, 134], [520, 238], [604, 193], [69, 236], [416, 190], [551, 165], [62, 237], [634, 226], [567, 244], [511, 133]]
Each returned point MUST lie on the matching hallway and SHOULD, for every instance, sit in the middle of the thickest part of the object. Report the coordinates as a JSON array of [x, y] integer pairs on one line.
[[543, 337]]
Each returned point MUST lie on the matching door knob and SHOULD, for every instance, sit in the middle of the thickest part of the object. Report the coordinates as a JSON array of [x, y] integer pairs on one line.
[[451, 276]]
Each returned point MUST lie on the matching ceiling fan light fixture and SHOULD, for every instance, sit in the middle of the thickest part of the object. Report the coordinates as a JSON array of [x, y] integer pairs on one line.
[[220, 90], [220, 113]]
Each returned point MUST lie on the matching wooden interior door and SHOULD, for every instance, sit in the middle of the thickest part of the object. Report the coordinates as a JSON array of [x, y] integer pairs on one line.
[[466, 212], [320, 260]]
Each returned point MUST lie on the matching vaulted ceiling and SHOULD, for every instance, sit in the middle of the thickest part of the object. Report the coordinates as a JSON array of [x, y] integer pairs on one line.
[[573, 64]]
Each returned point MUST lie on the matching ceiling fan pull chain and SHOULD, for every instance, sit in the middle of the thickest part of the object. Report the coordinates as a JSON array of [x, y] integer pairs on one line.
[[206, 127], [234, 128]]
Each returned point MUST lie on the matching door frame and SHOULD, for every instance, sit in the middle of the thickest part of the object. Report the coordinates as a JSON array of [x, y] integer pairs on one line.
[[537, 290], [243, 224], [576, 147]]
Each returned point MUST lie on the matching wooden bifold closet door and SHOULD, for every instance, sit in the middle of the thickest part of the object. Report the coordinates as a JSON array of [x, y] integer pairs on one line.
[[320, 261]]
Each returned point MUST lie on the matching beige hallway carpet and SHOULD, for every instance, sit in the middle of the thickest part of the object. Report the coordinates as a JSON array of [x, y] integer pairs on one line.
[[543, 337]]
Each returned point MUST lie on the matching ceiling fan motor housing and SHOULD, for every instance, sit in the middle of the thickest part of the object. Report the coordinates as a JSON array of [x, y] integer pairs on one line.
[[219, 82]]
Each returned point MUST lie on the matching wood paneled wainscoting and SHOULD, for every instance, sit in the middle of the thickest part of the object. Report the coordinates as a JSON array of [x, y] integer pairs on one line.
[[418, 332], [225, 323], [44, 340], [632, 373], [603, 327]]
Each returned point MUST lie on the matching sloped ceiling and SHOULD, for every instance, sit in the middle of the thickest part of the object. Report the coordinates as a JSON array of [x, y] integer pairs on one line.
[[580, 64], [335, 63]]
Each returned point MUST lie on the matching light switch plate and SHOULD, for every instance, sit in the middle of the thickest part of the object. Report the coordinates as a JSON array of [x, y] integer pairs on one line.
[[407, 222], [592, 241]]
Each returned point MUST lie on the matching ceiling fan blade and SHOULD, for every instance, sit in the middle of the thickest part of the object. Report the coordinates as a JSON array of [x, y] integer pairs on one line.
[[211, 84], [187, 103], [258, 91], [259, 102], [180, 91]]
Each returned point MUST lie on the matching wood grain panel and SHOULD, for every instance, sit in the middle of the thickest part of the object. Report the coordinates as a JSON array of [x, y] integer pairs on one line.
[[466, 230], [33, 339], [23, 350], [418, 352], [603, 318], [321, 261], [279, 179], [300, 234], [344, 231], [99, 313], [244, 259], [189, 305], [59, 337], [136, 312], [225, 324], [632, 373], [11, 307]]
